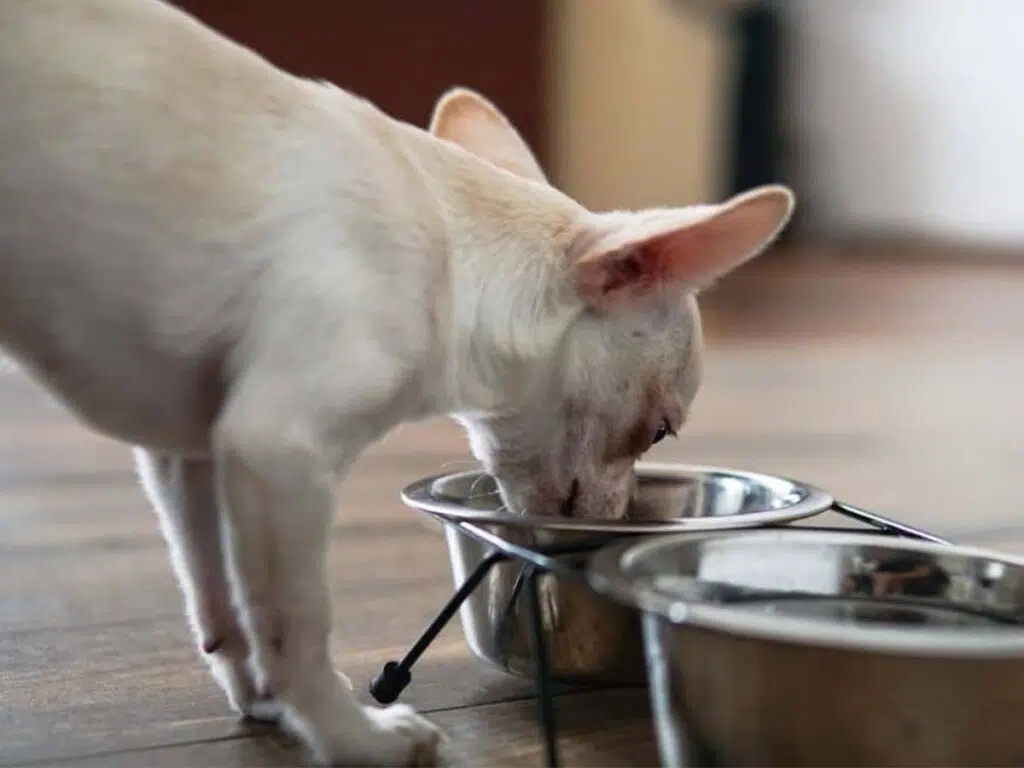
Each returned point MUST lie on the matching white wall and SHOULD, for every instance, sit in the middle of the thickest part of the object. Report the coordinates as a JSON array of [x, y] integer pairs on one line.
[[908, 116]]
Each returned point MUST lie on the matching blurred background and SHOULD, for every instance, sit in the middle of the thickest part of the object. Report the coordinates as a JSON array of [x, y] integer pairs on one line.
[[892, 118], [877, 351]]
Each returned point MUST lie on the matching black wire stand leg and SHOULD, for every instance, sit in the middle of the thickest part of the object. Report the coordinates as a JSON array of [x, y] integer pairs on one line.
[[388, 685], [885, 524], [542, 677]]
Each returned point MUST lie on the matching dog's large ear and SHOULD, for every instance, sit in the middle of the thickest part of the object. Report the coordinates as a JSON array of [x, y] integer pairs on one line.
[[466, 118], [620, 258]]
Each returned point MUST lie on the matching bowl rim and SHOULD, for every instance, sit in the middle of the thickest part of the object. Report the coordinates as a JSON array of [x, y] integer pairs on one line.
[[606, 574], [419, 495]]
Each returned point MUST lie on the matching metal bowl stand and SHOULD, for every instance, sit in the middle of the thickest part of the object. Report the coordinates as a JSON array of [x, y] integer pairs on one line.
[[395, 676]]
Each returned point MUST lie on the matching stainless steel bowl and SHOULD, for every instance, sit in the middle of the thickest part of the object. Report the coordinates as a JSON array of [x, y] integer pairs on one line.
[[805, 648], [590, 638]]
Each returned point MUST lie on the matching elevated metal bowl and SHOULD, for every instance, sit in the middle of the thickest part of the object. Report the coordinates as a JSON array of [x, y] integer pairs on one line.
[[808, 648], [589, 637]]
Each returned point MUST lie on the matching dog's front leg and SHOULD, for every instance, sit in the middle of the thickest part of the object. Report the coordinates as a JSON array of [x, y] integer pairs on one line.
[[183, 494], [277, 477]]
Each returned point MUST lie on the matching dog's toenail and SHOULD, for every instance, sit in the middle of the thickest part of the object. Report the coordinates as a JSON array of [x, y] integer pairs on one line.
[[212, 646]]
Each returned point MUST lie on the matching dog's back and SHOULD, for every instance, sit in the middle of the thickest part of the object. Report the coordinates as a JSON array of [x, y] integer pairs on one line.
[[109, 161], [150, 171]]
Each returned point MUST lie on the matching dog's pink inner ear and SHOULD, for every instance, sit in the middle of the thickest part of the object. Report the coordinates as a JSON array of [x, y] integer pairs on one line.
[[619, 276], [466, 118], [661, 251]]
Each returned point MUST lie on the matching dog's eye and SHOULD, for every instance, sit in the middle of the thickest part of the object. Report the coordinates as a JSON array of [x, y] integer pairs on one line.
[[664, 430]]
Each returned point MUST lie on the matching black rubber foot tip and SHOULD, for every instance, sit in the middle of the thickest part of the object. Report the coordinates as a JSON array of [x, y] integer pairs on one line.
[[389, 684]]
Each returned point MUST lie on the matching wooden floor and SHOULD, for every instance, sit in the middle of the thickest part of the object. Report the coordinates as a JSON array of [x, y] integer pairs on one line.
[[896, 386]]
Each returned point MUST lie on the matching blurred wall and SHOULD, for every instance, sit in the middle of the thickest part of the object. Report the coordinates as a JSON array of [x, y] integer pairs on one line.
[[402, 54], [636, 103], [622, 99], [907, 117]]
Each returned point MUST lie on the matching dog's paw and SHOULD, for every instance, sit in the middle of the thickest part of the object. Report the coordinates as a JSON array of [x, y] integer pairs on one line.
[[407, 736], [238, 683], [395, 736]]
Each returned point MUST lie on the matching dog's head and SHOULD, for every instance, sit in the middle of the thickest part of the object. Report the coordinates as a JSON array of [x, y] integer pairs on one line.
[[608, 303]]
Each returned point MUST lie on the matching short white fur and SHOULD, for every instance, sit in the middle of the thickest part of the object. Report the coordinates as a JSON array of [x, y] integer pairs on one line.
[[251, 277]]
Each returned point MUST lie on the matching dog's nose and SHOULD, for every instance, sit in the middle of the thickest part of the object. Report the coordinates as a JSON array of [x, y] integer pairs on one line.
[[570, 500]]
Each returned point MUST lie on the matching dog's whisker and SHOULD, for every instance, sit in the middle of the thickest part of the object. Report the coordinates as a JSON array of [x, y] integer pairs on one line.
[[475, 483], [483, 495]]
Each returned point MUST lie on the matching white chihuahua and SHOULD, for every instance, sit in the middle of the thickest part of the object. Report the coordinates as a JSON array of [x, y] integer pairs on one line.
[[251, 277]]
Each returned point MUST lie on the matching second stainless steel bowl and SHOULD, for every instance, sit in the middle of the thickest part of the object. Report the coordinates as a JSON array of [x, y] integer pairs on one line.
[[590, 637], [810, 648]]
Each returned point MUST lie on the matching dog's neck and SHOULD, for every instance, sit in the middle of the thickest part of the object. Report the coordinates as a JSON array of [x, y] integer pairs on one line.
[[504, 303]]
